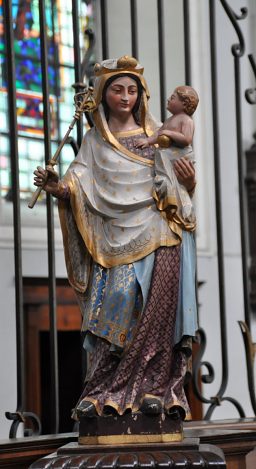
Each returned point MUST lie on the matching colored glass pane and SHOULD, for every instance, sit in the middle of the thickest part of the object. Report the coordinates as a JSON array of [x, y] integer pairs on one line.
[[30, 118]]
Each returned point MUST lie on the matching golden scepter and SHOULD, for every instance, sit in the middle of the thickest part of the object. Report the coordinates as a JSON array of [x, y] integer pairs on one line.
[[84, 102]]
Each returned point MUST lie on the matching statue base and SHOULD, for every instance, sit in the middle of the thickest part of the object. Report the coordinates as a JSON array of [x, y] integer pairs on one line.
[[133, 440], [187, 453], [129, 428]]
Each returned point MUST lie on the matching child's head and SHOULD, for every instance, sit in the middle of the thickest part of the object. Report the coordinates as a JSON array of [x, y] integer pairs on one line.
[[189, 98]]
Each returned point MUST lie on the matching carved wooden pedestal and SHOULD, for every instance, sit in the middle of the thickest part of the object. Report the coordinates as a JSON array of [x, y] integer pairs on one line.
[[186, 454], [130, 428], [133, 441]]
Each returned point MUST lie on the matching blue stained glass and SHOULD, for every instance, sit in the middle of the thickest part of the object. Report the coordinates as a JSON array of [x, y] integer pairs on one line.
[[26, 28], [23, 181], [24, 165], [4, 146], [27, 46], [5, 178], [2, 45], [3, 120]]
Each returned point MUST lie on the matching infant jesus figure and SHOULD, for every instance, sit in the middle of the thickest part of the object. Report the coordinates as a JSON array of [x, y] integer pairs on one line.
[[174, 139]]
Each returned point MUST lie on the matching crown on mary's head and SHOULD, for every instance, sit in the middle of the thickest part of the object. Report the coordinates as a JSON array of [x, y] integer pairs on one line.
[[125, 63]]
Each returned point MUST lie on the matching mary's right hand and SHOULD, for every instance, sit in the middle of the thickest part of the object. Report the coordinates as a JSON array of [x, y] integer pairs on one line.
[[46, 178]]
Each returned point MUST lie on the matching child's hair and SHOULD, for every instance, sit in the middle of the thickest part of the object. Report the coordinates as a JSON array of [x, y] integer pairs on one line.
[[189, 97]]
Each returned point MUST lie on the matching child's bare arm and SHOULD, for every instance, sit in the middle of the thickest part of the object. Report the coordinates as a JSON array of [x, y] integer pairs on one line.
[[146, 142], [183, 137]]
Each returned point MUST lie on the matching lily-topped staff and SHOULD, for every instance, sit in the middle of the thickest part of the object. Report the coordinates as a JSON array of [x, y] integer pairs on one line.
[[84, 102]]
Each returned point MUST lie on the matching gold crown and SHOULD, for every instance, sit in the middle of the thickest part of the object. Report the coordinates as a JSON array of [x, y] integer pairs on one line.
[[123, 64]]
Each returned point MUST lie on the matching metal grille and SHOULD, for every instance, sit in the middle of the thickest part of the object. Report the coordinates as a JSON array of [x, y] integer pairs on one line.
[[80, 69]]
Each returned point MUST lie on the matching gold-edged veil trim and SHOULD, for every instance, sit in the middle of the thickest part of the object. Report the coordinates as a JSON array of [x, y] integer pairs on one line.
[[128, 133]]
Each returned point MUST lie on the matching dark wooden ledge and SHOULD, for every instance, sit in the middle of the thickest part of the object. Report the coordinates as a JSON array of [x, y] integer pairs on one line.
[[236, 437]]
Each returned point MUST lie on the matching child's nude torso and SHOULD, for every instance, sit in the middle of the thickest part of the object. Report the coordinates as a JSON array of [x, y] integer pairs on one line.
[[176, 122]]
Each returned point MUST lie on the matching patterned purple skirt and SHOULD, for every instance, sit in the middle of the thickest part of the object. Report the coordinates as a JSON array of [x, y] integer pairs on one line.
[[151, 366]]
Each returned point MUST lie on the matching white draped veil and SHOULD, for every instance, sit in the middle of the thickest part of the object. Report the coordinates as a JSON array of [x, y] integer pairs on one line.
[[111, 216]]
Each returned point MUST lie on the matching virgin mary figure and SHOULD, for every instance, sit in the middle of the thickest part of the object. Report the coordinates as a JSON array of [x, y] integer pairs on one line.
[[132, 267]]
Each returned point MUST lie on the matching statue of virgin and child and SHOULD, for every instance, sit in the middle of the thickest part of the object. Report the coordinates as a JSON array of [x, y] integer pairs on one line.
[[130, 256]]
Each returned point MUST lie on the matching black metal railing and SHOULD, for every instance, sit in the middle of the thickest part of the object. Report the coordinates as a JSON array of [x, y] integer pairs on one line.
[[54, 402], [213, 401], [21, 415], [250, 346], [17, 416], [134, 27], [209, 378], [237, 50]]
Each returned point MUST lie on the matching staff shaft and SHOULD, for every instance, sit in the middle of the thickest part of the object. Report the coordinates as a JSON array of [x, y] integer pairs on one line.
[[53, 162]]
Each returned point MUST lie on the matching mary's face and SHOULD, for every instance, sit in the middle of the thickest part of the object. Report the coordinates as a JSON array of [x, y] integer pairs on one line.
[[121, 96]]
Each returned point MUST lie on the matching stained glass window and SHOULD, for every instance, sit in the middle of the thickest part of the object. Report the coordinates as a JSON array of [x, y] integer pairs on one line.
[[29, 84]]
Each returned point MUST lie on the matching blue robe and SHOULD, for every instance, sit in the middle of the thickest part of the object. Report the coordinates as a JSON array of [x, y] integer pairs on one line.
[[117, 296]]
